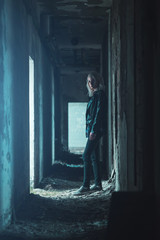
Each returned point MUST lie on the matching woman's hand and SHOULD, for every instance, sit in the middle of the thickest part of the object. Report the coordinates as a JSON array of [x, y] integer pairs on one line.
[[92, 136]]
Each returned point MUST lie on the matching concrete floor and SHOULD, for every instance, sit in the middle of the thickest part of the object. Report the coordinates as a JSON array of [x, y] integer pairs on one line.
[[51, 211]]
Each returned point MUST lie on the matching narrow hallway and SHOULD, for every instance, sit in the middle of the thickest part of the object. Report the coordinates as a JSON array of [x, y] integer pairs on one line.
[[58, 60]]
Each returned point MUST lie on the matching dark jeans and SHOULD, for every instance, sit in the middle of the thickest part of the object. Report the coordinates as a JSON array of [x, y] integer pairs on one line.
[[89, 156]]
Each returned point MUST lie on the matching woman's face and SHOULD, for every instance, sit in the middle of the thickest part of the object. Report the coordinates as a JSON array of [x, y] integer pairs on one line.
[[89, 83]]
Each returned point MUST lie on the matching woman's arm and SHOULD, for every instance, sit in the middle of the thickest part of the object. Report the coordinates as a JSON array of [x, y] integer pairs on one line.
[[97, 115]]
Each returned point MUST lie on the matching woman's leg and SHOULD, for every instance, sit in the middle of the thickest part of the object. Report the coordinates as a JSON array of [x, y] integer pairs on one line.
[[96, 168], [89, 150], [87, 164], [87, 155]]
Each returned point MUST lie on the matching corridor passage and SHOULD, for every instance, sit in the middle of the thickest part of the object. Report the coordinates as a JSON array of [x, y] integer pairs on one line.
[[49, 49]]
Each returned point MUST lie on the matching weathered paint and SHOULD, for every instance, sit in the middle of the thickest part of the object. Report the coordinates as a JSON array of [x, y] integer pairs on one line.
[[123, 94], [6, 119], [116, 50], [19, 40], [133, 38]]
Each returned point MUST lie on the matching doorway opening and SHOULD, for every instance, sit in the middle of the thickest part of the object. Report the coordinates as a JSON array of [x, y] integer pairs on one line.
[[31, 122], [76, 127]]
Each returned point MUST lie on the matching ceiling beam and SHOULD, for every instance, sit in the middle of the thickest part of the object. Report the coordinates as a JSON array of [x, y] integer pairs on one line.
[[74, 70], [80, 46]]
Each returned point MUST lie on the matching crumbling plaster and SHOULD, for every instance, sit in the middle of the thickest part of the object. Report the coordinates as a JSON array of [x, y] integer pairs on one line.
[[19, 40], [123, 95]]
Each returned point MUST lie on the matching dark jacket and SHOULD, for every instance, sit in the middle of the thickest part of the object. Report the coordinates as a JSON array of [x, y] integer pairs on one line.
[[96, 114]]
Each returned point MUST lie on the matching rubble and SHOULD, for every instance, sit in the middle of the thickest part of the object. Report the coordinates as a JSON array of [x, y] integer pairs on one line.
[[52, 211]]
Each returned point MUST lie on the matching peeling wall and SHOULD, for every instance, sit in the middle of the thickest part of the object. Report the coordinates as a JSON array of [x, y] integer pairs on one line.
[[19, 40], [47, 115], [6, 117], [135, 111], [106, 73], [123, 93], [115, 73], [20, 90]]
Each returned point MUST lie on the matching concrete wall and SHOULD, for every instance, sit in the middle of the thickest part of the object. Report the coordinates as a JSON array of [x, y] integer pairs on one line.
[[135, 99], [20, 89], [57, 113], [19, 40], [157, 96], [135, 90], [124, 95], [14, 153], [119, 128], [147, 35], [144, 90], [156, 52], [106, 73], [115, 72], [6, 116]]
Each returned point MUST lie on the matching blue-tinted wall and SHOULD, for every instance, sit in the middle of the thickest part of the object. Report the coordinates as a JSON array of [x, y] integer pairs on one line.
[[19, 39]]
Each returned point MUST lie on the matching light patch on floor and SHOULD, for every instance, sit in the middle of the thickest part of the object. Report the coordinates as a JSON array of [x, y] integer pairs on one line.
[[52, 211]]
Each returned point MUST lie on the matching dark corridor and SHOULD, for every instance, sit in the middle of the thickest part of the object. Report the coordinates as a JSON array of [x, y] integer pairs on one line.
[[47, 49]]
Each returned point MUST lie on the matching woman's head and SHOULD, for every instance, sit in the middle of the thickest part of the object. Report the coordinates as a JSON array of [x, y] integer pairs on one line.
[[94, 83]]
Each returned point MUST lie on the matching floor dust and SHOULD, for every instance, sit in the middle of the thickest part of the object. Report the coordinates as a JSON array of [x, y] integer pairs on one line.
[[52, 211]]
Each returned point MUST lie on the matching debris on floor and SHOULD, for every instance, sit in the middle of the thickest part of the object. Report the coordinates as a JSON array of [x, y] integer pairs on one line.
[[52, 211]]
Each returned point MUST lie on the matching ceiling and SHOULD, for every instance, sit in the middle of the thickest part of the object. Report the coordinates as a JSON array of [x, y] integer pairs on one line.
[[76, 28]]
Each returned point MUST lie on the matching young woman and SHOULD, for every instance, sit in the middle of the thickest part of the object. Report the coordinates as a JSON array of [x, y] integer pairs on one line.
[[95, 128]]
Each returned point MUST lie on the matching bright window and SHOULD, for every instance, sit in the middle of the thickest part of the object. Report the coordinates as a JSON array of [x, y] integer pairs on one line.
[[76, 127]]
